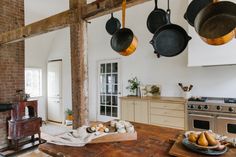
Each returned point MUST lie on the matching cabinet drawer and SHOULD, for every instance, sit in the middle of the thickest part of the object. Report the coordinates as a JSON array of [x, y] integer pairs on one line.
[[165, 112], [171, 106], [167, 121]]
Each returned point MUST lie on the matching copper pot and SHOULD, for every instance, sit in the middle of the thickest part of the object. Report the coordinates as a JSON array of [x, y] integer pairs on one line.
[[216, 23], [124, 41]]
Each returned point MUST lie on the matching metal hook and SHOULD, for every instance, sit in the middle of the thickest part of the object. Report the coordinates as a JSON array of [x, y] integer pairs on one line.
[[89, 22]]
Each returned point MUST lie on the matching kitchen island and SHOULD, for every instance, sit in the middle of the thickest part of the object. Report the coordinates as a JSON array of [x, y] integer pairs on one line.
[[152, 141]]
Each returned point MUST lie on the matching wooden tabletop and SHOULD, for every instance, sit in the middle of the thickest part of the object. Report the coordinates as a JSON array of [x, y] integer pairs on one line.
[[152, 141]]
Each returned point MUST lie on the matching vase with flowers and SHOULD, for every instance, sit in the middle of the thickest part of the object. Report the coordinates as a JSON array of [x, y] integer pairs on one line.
[[133, 86]]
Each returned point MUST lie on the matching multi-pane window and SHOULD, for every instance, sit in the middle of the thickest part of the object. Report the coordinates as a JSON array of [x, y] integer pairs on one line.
[[109, 89], [33, 82]]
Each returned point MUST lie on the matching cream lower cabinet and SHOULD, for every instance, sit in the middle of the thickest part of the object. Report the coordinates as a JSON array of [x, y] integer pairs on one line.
[[136, 111], [167, 114]]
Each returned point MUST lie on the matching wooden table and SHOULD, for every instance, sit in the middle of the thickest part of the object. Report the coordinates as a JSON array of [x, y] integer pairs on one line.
[[153, 141]]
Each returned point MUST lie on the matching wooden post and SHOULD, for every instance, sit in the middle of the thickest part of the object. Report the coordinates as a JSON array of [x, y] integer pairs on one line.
[[78, 35]]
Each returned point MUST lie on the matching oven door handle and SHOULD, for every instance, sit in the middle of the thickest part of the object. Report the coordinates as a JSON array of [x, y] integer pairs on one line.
[[226, 118], [200, 115]]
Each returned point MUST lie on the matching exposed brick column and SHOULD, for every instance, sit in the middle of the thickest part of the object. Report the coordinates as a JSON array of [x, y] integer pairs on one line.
[[11, 59]]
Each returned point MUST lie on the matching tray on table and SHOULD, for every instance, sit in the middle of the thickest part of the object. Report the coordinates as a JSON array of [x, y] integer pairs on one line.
[[179, 150]]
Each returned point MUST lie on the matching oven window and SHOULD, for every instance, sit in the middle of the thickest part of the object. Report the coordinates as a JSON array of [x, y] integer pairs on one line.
[[200, 124], [231, 128]]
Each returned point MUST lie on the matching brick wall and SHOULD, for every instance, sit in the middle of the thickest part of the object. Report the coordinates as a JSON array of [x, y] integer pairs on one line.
[[11, 59]]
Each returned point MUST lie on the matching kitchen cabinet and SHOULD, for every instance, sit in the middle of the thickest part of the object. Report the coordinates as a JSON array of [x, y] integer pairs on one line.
[[163, 111], [127, 110], [133, 110], [167, 114], [202, 54]]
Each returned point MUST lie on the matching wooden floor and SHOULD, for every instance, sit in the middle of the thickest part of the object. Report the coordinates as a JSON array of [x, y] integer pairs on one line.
[[33, 153]]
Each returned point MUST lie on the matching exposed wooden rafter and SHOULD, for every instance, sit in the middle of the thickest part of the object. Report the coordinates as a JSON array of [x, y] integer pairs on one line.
[[64, 19], [52, 23], [104, 7]]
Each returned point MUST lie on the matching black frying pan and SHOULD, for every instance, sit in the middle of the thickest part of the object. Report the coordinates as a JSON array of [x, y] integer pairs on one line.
[[112, 25], [171, 39], [156, 19], [194, 8]]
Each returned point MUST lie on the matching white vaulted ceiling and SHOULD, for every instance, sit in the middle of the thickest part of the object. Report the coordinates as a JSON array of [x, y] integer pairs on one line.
[[39, 9]]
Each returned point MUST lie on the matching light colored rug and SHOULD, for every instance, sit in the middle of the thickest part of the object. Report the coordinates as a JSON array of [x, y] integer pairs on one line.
[[48, 130], [54, 129]]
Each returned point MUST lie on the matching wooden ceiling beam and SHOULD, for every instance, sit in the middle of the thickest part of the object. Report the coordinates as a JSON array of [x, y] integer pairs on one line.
[[49, 24], [104, 7], [64, 19]]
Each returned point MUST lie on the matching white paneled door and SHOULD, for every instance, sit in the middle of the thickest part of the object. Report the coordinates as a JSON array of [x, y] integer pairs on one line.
[[108, 90], [55, 109]]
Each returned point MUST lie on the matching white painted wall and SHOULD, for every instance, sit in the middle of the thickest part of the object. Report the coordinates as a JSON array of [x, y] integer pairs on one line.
[[50, 46], [211, 81], [60, 49], [36, 54]]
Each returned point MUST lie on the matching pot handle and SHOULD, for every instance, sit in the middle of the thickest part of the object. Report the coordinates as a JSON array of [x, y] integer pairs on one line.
[[168, 12], [185, 16], [151, 42], [158, 55], [189, 38], [235, 32], [123, 13], [156, 5]]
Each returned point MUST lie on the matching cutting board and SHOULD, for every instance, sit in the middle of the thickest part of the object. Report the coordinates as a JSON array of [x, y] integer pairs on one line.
[[179, 150]]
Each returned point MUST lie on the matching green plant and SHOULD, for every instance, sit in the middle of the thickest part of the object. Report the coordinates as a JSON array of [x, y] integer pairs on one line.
[[69, 112], [155, 90], [133, 84]]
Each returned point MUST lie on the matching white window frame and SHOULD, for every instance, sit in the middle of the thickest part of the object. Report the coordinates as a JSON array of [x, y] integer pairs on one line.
[[40, 82]]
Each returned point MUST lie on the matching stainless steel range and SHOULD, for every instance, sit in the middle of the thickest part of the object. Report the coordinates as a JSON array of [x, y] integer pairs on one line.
[[216, 114]]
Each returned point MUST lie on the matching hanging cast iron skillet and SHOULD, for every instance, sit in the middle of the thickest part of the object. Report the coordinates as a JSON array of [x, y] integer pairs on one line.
[[124, 41], [194, 8], [171, 39], [216, 23], [156, 19], [112, 25]]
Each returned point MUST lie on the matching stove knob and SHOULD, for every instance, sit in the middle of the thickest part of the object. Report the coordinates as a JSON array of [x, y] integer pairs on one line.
[[231, 109], [206, 107], [192, 107], [199, 107], [218, 107]]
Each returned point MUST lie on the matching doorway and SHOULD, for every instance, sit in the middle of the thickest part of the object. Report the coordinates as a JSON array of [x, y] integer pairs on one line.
[[108, 90], [54, 91]]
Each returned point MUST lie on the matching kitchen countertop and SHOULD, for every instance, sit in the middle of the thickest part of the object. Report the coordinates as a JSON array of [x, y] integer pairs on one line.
[[160, 99], [151, 141]]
